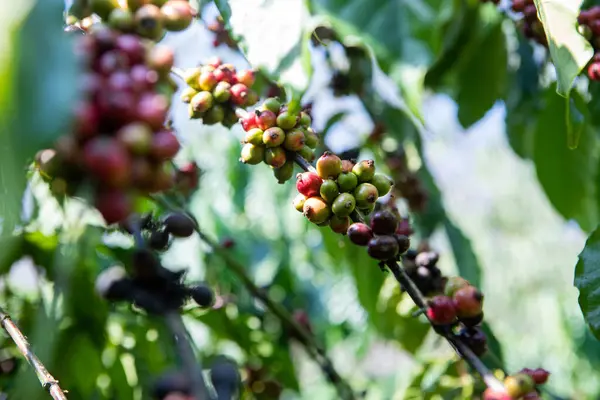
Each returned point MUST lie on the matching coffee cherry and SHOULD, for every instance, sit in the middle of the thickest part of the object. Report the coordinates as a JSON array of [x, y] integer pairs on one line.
[[384, 223], [468, 301], [347, 166], [539, 376], [135, 137], [286, 120], [239, 94], [454, 284], [202, 295], [265, 119], [364, 170], [108, 160], [254, 136], [275, 157], [164, 145], [472, 321], [202, 102], [305, 119], [594, 71], [161, 59], [366, 195], [173, 382], [207, 81], [534, 395], [272, 104], [404, 227], [225, 378], [179, 225], [518, 385], [383, 248], [249, 122], [329, 166], [214, 115], [490, 394], [339, 224], [329, 190], [308, 184], [307, 153], [359, 234], [222, 92], [284, 173], [103, 7], [149, 22], [299, 202], [403, 243], [252, 154], [382, 183], [191, 77], [177, 15], [294, 140], [347, 182], [111, 282], [343, 205], [316, 210], [247, 78], [121, 19], [273, 137], [114, 205], [475, 339], [441, 310], [311, 139], [152, 109], [159, 240]]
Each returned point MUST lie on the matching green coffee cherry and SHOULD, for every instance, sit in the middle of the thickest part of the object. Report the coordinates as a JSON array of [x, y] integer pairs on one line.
[[347, 182], [149, 22], [316, 210], [272, 104], [311, 139], [104, 7], [177, 14], [294, 140], [252, 154], [299, 202], [275, 157], [329, 166], [222, 92], [329, 190], [187, 94], [285, 172], [366, 195], [202, 102], [339, 224], [207, 81], [454, 284], [305, 119], [273, 137], [364, 170], [191, 77], [307, 153], [121, 19], [382, 183], [254, 136], [214, 115], [343, 205], [286, 120]]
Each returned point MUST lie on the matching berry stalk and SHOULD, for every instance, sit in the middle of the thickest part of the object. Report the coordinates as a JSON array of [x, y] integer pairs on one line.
[[48, 382]]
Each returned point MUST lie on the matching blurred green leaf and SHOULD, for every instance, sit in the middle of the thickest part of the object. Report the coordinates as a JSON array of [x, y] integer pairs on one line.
[[569, 50], [466, 261], [587, 280], [568, 176]]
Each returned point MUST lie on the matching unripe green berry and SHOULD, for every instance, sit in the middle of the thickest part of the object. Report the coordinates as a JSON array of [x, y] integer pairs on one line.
[[191, 77], [254, 136], [104, 7], [343, 205], [329, 190], [367, 210], [294, 140], [305, 119], [339, 224], [230, 118], [121, 19], [202, 102], [286, 120], [214, 115], [329, 166], [222, 92], [382, 183], [275, 157], [285, 172], [149, 22], [347, 182], [453, 284], [311, 139], [252, 154], [299, 202], [316, 210], [307, 153], [366, 195], [364, 170], [251, 98], [519, 385], [177, 15], [272, 104], [273, 137]]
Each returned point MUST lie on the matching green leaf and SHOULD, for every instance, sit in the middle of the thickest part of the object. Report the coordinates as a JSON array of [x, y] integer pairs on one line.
[[466, 261], [569, 50], [567, 176], [587, 280], [482, 76]]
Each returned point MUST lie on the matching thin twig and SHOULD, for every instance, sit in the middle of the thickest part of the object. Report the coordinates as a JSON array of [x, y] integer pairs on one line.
[[48, 382], [191, 365], [302, 163], [461, 348], [179, 73]]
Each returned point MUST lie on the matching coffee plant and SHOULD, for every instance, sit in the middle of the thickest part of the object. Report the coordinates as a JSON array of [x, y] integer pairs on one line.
[[153, 153]]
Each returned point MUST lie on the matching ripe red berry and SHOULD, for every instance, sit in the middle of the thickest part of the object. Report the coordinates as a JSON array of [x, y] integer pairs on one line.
[[131, 47], [86, 120], [594, 71], [164, 145], [245, 77], [540, 376], [239, 94], [265, 119], [249, 122], [114, 205], [152, 109], [142, 78], [491, 394], [441, 310], [107, 160], [468, 301], [359, 234], [309, 184]]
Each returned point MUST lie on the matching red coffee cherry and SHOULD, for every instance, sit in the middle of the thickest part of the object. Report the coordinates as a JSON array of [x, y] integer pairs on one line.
[[359, 234], [441, 310], [468, 302], [309, 184]]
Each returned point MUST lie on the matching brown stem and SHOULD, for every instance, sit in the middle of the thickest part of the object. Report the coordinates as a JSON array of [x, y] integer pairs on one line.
[[48, 382], [305, 165]]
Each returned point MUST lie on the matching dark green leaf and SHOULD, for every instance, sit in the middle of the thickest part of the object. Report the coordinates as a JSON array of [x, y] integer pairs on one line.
[[587, 280], [466, 261]]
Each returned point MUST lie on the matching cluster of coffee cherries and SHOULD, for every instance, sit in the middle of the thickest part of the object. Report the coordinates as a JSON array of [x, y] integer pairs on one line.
[[221, 35], [150, 19], [119, 146], [215, 90], [331, 195], [149, 285], [589, 26], [530, 25], [421, 267], [274, 136], [522, 385], [175, 385], [384, 238]]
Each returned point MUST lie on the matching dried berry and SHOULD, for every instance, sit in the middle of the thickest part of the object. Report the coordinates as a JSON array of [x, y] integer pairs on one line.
[[384, 223], [383, 248]]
